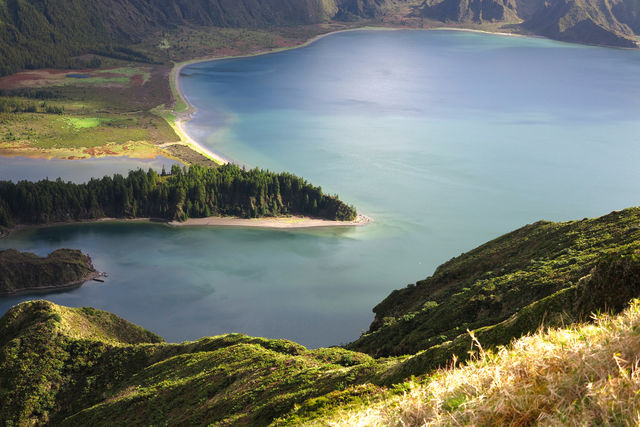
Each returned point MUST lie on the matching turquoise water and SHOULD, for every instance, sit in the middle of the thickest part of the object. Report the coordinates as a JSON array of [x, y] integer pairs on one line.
[[447, 139]]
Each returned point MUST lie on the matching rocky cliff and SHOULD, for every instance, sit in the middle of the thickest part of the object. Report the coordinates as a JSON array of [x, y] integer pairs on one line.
[[607, 22]]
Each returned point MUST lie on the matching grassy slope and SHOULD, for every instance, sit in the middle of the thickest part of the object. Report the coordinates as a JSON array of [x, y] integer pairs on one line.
[[613, 282], [45, 33], [491, 283], [582, 375], [84, 366], [43, 348]]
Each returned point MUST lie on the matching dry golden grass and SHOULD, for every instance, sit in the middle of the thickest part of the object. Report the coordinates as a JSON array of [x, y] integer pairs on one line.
[[585, 375]]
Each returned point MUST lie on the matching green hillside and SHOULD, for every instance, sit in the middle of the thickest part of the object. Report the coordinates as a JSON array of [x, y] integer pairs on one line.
[[81, 366], [497, 280], [585, 375], [44, 33]]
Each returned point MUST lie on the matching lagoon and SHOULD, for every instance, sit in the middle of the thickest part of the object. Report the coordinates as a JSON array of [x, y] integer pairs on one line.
[[446, 138]]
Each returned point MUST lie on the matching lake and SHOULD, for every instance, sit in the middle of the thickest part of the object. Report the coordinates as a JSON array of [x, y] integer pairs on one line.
[[446, 138]]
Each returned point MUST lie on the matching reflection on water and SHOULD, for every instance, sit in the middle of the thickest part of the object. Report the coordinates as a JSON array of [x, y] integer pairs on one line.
[[185, 283]]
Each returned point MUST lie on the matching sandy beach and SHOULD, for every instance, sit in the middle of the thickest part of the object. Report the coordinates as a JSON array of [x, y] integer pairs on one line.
[[197, 146], [277, 222], [274, 223], [288, 222], [182, 117]]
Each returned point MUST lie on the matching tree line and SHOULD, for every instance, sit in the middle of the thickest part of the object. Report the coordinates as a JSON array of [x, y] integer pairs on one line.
[[194, 192], [12, 105]]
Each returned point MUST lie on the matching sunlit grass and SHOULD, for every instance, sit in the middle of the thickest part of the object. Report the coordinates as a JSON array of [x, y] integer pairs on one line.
[[85, 122], [585, 375]]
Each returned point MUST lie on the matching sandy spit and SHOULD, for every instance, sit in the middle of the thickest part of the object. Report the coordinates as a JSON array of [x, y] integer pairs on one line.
[[291, 222]]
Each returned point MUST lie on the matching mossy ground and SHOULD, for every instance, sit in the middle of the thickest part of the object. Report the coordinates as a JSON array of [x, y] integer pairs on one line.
[[84, 366], [491, 283]]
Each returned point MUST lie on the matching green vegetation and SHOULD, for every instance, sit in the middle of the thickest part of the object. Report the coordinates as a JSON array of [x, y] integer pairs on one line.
[[610, 285], [77, 135], [35, 34], [22, 272], [81, 366], [81, 119], [495, 281], [188, 43], [87, 122], [15, 105], [190, 193], [581, 375]]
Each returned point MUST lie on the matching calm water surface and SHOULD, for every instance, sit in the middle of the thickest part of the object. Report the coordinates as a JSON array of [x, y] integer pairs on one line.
[[447, 139], [19, 168]]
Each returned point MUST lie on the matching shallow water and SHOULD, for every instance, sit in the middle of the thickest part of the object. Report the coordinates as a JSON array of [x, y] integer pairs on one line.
[[447, 139]]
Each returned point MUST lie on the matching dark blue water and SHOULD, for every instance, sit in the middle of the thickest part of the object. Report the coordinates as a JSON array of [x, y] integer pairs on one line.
[[447, 139]]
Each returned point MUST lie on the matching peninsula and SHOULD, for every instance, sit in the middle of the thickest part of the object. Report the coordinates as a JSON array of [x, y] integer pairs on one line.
[[62, 269], [195, 192]]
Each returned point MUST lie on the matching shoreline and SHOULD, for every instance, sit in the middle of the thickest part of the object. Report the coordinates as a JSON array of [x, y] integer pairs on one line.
[[289, 222], [187, 140], [183, 116], [53, 288], [293, 222]]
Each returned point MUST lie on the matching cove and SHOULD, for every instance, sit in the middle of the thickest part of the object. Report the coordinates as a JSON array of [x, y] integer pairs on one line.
[[447, 139]]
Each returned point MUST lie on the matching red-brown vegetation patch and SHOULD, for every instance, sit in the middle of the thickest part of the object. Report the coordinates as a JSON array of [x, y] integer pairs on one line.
[[137, 80], [35, 78], [99, 151]]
